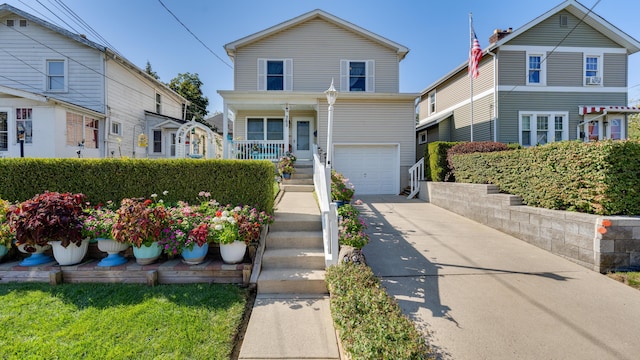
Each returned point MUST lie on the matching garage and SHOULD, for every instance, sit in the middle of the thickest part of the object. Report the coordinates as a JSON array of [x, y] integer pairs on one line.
[[372, 168]]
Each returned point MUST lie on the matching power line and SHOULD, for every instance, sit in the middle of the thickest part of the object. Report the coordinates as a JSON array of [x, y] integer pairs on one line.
[[56, 15], [194, 35]]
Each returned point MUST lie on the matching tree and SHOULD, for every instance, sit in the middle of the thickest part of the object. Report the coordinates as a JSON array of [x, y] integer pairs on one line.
[[189, 86], [150, 71], [634, 127]]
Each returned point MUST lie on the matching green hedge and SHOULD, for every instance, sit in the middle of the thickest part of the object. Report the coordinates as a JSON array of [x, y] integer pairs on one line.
[[599, 178], [435, 157], [370, 322], [228, 181]]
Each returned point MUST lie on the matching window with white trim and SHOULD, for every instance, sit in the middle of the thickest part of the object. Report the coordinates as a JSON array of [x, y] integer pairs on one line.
[[116, 128], [158, 103], [265, 129], [542, 128], [82, 130], [592, 70], [157, 141], [56, 73], [422, 137], [275, 74], [4, 131], [535, 69], [172, 145], [24, 124], [432, 103], [357, 75]]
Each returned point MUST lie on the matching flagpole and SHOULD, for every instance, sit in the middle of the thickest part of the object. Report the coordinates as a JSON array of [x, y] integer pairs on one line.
[[470, 73]]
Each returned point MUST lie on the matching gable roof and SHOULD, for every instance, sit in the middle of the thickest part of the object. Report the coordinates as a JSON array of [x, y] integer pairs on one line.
[[575, 8], [316, 14]]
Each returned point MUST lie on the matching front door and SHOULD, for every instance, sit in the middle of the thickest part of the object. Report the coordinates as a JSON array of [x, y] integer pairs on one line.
[[302, 138]]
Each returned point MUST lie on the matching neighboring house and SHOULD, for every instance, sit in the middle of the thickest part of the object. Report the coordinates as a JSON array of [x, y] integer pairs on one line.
[[562, 76], [217, 122], [278, 102], [72, 97]]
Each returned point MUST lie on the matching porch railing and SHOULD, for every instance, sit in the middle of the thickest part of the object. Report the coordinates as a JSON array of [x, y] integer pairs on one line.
[[256, 149], [416, 174], [328, 210]]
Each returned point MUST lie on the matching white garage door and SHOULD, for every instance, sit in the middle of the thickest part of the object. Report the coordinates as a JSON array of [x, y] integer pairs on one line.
[[373, 169]]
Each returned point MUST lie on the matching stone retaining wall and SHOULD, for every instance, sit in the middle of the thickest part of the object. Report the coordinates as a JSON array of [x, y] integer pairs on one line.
[[601, 243]]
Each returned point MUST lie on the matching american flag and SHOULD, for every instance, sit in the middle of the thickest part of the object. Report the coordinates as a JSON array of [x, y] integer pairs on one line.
[[475, 54]]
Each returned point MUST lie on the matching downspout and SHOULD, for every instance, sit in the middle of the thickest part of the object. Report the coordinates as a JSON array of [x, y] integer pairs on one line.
[[495, 95]]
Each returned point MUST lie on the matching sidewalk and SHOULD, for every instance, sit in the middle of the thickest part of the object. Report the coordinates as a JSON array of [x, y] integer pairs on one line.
[[481, 294]]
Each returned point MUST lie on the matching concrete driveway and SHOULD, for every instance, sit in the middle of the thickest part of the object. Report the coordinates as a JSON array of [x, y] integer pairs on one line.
[[478, 293]]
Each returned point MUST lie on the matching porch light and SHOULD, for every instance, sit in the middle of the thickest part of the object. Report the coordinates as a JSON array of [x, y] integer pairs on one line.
[[332, 94]]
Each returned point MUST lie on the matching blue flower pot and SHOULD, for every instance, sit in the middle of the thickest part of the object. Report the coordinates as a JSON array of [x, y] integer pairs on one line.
[[146, 255], [196, 255], [37, 255], [113, 249], [339, 203]]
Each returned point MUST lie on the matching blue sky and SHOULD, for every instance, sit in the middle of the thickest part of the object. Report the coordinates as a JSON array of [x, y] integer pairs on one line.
[[436, 32]]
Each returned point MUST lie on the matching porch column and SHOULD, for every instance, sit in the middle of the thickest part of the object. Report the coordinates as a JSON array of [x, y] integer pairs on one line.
[[286, 129], [225, 131]]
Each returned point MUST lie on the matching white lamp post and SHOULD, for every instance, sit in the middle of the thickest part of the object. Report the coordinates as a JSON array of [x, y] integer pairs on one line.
[[332, 94]]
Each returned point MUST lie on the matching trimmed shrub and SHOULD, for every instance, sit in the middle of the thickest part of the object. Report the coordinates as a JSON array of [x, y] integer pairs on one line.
[[229, 181], [599, 178], [470, 148], [370, 322], [436, 154]]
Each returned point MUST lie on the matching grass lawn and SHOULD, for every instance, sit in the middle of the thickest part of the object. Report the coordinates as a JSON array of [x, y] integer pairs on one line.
[[630, 278], [119, 321]]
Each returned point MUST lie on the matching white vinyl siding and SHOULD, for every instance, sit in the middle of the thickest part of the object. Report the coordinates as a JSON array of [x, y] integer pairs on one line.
[[354, 78], [264, 75], [539, 128]]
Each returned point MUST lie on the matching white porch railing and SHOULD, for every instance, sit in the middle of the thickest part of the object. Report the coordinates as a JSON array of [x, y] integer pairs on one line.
[[416, 174], [256, 149], [328, 210]]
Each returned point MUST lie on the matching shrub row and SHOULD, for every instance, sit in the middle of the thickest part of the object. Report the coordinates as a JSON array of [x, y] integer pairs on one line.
[[435, 157], [470, 148], [228, 181], [599, 178], [371, 324]]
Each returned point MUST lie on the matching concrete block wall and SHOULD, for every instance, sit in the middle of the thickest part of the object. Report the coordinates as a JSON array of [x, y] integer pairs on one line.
[[599, 243]]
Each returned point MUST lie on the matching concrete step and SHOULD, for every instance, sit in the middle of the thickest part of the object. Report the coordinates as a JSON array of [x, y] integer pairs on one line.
[[297, 181], [292, 281], [294, 239], [293, 258], [306, 170], [295, 222], [297, 188], [300, 176]]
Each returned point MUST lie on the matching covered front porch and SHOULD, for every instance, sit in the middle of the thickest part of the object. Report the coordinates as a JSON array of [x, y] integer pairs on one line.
[[267, 126], [605, 122]]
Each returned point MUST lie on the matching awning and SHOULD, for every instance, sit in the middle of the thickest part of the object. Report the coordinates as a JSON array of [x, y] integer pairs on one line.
[[610, 109], [433, 120]]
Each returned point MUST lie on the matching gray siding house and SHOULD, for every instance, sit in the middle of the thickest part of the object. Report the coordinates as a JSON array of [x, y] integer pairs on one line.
[[562, 76], [278, 102]]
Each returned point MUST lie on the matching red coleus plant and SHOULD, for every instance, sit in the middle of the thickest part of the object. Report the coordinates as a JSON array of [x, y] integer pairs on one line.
[[139, 223], [48, 217]]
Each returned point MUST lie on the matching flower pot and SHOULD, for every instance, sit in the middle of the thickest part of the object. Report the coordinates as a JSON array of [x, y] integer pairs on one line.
[[146, 255], [70, 255], [196, 255], [113, 249], [339, 203], [3, 251], [37, 254], [286, 176], [233, 253]]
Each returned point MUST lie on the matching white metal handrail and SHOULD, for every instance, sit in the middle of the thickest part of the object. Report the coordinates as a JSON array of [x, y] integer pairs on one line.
[[328, 210], [416, 174]]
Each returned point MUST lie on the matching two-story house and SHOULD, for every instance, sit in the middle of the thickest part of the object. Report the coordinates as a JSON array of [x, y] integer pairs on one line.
[[562, 76], [62, 95], [278, 102]]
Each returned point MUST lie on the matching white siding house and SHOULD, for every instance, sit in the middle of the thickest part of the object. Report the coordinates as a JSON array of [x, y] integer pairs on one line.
[[278, 102], [71, 97]]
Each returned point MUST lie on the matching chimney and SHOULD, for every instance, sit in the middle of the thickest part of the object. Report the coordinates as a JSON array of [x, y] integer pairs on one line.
[[498, 34]]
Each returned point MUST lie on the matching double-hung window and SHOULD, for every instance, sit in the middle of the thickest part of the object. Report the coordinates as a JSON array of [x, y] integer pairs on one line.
[[542, 128], [158, 103], [56, 75], [357, 75], [275, 74], [432, 103], [535, 74], [157, 141], [265, 129], [82, 130], [24, 125], [4, 131], [592, 70]]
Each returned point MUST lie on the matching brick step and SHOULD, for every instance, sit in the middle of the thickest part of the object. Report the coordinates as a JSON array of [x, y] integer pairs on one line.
[[297, 258], [294, 239], [292, 281], [296, 222]]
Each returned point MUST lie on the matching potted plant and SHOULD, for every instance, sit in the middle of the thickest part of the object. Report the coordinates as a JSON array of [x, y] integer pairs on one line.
[[285, 167], [50, 219], [225, 228], [98, 225], [6, 234], [189, 233], [341, 189], [141, 223]]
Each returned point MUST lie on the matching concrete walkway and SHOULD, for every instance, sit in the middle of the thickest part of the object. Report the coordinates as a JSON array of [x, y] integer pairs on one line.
[[481, 294]]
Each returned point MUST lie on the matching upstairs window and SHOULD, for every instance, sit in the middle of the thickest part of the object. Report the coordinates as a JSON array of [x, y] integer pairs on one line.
[[24, 124], [56, 75], [357, 75], [158, 103], [432, 103], [275, 74], [535, 69], [10, 23], [592, 70]]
